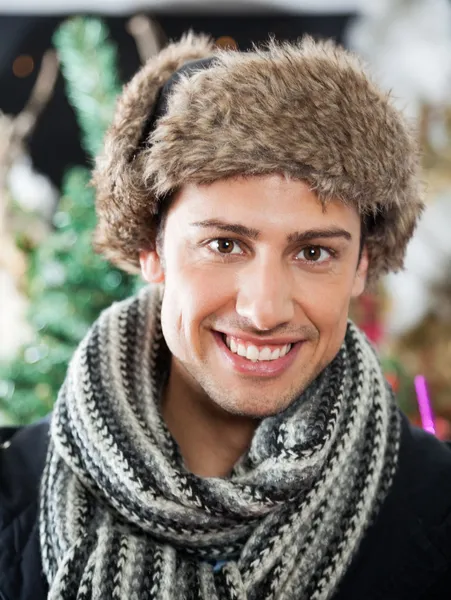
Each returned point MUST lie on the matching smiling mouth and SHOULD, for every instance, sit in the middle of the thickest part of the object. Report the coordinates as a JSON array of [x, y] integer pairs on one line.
[[264, 353]]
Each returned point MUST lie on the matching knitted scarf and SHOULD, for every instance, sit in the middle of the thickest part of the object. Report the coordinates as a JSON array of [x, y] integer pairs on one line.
[[122, 517]]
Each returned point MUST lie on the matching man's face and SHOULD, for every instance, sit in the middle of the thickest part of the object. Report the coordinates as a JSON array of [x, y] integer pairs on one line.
[[255, 266]]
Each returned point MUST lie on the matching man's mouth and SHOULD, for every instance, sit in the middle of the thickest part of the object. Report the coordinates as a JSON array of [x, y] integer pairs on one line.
[[254, 359], [254, 353]]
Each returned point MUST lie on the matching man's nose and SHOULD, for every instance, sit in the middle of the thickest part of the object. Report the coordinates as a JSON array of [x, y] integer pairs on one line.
[[265, 294]]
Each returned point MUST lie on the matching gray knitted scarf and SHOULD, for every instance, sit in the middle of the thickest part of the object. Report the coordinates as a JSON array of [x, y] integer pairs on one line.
[[122, 517]]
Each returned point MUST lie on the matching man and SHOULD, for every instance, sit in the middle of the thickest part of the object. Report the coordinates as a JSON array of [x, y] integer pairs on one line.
[[227, 433]]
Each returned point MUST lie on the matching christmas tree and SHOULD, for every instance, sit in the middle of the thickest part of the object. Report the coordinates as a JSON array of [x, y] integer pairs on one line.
[[67, 284]]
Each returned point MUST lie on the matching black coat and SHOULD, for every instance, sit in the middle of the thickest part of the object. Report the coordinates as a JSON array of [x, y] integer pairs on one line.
[[405, 554]]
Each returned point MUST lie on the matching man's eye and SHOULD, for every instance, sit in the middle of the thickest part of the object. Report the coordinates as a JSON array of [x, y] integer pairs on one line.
[[316, 254], [224, 246]]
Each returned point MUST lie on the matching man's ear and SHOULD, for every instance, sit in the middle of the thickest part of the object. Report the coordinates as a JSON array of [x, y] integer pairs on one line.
[[361, 274], [151, 266]]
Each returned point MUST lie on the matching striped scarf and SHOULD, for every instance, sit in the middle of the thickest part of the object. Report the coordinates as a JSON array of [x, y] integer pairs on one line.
[[122, 517]]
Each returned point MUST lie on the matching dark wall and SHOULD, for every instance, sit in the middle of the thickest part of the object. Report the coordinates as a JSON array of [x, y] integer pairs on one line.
[[55, 144]]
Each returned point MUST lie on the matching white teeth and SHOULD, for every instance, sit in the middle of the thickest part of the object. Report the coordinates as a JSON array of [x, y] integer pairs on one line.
[[241, 350], [255, 354], [252, 353], [265, 354], [275, 354]]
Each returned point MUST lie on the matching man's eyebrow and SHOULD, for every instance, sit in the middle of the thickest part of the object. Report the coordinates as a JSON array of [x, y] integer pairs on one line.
[[296, 237], [314, 234], [228, 227]]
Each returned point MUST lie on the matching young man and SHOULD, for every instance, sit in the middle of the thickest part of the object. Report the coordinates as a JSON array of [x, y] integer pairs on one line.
[[228, 433]]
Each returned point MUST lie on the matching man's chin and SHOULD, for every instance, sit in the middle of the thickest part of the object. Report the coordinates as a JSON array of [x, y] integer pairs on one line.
[[256, 411]]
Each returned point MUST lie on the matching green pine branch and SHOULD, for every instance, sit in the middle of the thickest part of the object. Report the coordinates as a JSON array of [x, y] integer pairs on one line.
[[68, 284], [89, 65]]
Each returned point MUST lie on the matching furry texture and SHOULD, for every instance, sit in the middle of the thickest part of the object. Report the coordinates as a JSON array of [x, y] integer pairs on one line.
[[307, 110], [121, 516]]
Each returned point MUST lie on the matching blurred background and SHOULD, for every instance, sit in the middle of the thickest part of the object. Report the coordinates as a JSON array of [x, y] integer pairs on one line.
[[61, 68]]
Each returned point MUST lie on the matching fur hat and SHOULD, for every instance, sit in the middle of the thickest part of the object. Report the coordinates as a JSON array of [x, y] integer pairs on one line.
[[307, 110]]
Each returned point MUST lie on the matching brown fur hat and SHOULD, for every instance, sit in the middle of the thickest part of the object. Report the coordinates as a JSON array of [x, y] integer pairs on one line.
[[307, 110]]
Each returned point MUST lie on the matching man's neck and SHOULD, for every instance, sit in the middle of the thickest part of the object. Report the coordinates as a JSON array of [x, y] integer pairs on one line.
[[211, 440]]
